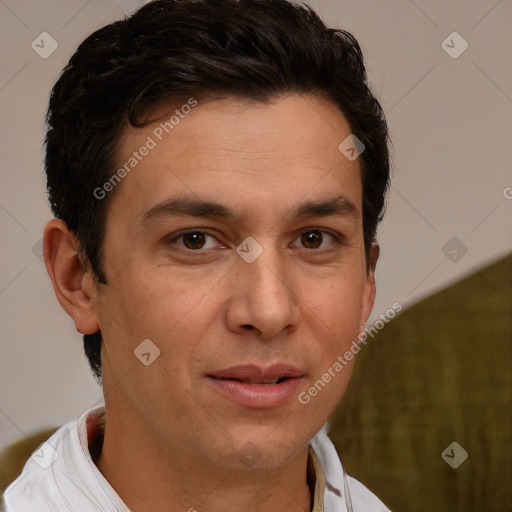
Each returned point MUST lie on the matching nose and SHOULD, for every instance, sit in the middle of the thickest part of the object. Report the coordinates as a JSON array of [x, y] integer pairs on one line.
[[262, 297]]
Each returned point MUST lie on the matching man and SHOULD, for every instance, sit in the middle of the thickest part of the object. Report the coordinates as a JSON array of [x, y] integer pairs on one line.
[[217, 170]]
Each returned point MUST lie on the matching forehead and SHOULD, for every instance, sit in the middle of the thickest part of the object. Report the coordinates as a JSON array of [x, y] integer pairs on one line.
[[241, 152]]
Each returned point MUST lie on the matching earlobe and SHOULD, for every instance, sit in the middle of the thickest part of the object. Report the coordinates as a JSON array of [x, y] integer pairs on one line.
[[68, 276]]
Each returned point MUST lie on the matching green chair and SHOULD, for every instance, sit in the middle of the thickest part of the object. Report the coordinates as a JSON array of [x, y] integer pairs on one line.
[[439, 373]]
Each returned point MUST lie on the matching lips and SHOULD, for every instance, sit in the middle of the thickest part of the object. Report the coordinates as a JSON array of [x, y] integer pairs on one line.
[[255, 387], [252, 374]]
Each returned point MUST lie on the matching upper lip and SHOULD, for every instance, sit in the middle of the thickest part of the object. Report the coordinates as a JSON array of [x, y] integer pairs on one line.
[[254, 374]]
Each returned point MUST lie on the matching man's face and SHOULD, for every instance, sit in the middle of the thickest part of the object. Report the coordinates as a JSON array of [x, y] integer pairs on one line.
[[175, 277]]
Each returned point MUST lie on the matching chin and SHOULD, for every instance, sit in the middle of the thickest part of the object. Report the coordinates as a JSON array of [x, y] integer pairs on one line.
[[266, 451]]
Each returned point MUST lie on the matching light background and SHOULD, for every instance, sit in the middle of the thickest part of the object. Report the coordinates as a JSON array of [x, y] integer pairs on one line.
[[451, 126]]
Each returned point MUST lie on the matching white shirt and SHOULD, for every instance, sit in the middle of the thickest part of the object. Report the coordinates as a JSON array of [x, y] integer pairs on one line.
[[61, 477]]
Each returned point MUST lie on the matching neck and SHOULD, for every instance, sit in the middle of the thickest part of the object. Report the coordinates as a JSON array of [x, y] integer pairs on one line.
[[151, 475]]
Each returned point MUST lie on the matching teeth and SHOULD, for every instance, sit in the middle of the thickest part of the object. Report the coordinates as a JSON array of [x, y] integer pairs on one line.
[[270, 381]]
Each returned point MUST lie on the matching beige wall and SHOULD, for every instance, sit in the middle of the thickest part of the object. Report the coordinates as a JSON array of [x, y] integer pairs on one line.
[[451, 124]]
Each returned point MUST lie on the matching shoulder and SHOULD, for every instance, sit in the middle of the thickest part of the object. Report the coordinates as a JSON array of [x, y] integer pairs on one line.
[[39, 473], [363, 499], [14, 457], [342, 492]]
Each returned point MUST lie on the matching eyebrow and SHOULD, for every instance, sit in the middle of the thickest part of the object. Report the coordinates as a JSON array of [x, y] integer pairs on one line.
[[188, 206], [340, 205]]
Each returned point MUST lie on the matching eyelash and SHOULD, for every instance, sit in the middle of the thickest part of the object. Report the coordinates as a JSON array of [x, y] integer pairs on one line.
[[338, 239]]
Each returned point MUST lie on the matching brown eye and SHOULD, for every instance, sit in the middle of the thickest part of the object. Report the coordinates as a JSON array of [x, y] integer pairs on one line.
[[316, 240], [194, 240], [311, 239], [197, 241]]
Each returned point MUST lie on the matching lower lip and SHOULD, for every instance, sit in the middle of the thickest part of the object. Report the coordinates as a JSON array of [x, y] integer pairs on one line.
[[257, 396]]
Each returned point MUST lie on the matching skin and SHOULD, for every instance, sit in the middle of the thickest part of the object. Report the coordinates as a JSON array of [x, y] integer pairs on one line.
[[208, 309]]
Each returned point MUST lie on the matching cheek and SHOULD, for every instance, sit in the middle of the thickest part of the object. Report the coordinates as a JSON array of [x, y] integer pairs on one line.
[[158, 301], [337, 306], [334, 316], [164, 310]]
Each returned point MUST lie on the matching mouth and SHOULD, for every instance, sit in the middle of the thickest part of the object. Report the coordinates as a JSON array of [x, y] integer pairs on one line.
[[252, 374], [275, 380], [255, 387]]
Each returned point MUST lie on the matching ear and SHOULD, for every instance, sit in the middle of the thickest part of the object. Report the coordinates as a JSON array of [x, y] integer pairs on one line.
[[73, 286], [369, 287]]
